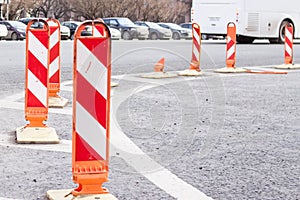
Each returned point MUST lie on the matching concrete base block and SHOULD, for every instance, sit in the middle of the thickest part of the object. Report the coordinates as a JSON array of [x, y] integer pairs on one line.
[[159, 75], [230, 70], [114, 84], [288, 66], [57, 102], [67, 195], [36, 135], [190, 72]]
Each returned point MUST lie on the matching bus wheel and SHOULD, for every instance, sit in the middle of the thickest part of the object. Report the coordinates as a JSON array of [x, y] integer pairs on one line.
[[282, 31]]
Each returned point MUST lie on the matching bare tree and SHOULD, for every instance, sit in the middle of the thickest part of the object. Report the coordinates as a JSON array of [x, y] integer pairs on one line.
[[18, 8], [89, 9], [144, 10]]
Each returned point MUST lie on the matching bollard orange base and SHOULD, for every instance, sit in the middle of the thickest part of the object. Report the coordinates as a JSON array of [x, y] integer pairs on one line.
[[67, 195], [36, 131], [159, 71], [194, 70]]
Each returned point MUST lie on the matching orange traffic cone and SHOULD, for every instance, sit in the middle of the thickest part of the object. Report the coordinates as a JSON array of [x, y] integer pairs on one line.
[[159, 71], [159, 66]]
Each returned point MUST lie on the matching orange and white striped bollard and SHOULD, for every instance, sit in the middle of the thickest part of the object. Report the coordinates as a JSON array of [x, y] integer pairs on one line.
[[194, 69], [288, 49], [91, 110], [231, 51], [37, 84], [288, 45], [55, 101]]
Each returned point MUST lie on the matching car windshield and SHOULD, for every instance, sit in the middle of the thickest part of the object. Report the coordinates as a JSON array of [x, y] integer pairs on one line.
[[18, 24], [126, 21], [174, 26], [153, 25]]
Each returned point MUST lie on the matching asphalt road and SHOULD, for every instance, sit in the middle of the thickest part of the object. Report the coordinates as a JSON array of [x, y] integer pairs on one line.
[[219, 136]]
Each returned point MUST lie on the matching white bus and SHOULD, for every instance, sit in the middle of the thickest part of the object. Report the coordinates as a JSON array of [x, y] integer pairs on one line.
[[254, 19]]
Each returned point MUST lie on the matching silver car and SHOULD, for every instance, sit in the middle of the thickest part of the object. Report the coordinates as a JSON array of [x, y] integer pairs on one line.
[[128, 29]]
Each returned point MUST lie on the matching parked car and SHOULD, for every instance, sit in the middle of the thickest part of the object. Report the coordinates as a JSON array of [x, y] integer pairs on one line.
[[203, 36], [64, 31], [115, 33], [72, 25], [128, 29], [3, 31], [155, 31], [177, 31], [187, 25], [16, 30]]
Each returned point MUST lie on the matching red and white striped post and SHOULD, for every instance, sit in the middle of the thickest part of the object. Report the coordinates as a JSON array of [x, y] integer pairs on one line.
[[36, 91], [288, 49], [231, 51], [54, 69], [231, 45], [288, 44], [91, 109], [194, 69], [196, 48]]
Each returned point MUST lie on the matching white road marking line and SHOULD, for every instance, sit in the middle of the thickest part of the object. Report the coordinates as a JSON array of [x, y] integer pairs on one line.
[[142, 163]]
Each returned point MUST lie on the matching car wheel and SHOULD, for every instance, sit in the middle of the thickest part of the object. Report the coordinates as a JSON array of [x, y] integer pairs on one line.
[[176, 36], [14, 36], [154, 36], [72, 37], [126, 36]]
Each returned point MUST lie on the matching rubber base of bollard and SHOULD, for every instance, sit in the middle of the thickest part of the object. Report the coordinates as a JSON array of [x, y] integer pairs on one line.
[[288, 66], [190, 72], [57, 102], [36, 135], [67, 195], [158, 75], [114, 84], [230, 70]]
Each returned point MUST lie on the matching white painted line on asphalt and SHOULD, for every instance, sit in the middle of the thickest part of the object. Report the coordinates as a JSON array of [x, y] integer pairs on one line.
[[3, 198], [153, 171], [124, 147]]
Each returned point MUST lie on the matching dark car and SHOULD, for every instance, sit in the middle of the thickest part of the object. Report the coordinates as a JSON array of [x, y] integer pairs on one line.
[[128, 29], [72, 25], [34, 25], [177, 31], [16, 30], [156, 31]]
